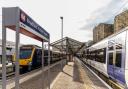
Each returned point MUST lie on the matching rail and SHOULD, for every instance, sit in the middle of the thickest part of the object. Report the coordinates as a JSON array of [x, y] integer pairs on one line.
[[82, 64]]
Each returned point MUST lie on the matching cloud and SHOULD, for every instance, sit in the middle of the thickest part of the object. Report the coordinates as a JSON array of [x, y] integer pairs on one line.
[[105, 14]]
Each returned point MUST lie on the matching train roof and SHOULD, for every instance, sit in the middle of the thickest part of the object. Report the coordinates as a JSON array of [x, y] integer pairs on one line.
[[36, 46], [103, 43]]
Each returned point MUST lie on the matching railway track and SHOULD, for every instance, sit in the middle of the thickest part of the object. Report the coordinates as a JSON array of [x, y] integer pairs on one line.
[[107, 80]]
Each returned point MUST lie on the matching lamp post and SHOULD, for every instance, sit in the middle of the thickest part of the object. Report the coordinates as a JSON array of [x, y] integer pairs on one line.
[[62, 39], [61, 27]]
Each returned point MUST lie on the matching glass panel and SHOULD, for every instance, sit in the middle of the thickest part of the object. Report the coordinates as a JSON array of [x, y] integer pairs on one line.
[[110, 58], [118, 59], [118, 46], [0, 59], [110, 48], [25, 53], [101, 55]]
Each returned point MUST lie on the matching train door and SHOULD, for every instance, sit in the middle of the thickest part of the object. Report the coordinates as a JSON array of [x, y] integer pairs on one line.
[[119, 65], [116, 58], [111, 55]]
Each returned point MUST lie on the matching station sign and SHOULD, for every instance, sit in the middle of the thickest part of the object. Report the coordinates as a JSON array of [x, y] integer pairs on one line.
[[27, 22], [27, 25]]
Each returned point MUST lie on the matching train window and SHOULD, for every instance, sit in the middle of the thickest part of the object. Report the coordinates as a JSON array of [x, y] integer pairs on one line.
[[119, 46], [100, 55], [111, 48], [110, 58], [0, 59], [118, 59]]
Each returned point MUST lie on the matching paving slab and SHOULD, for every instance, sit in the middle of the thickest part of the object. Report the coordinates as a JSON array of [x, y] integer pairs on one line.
[[70, 78]]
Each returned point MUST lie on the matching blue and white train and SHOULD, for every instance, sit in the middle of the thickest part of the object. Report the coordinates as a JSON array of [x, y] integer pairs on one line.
[[110, 56]]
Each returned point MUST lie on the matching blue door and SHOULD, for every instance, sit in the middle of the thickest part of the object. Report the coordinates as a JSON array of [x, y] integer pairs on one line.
[[119, 68], [110, 67], [115, 68]]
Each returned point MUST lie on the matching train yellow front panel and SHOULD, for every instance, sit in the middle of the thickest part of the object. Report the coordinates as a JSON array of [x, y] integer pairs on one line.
[[24, 62]]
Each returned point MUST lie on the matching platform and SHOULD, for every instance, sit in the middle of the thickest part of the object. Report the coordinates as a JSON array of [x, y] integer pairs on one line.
[[74, 76], [70, 78]]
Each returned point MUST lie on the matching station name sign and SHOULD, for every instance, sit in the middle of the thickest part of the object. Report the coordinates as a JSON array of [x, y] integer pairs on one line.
[[30, 23], [14, 16]]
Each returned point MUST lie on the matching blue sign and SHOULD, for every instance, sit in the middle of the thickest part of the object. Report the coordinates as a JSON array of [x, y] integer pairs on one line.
[[25, 19]]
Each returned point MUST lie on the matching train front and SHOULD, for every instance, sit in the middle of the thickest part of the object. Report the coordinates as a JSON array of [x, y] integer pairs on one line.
[[26, 54]]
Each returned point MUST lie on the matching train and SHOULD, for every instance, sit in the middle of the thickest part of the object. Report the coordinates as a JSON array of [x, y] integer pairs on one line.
[[30, 57], [110, 57]]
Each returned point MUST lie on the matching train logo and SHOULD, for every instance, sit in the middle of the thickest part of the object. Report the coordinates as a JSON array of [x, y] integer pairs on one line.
[[23, 17]]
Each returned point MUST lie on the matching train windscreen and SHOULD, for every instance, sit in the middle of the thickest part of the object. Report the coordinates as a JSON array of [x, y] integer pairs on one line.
[[25, 53]]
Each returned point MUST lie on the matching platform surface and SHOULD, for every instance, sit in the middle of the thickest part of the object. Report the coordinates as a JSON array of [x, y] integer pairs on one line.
[[70, 78], [74, 76]]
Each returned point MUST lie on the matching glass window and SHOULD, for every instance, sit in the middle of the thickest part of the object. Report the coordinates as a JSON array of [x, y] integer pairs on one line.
[[118, 46], [101, 55], [0, 59], [110, 58], [25, 53], [110, 48], [118, 59]]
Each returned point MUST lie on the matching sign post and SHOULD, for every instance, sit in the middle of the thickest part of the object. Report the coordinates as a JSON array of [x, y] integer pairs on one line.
[[42, 65], [17, 50], [3, 52], [49, 58]]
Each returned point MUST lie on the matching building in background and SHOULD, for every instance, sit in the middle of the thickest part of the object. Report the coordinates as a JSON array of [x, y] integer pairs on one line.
[[102, 31], [89, 43], [121, 21], [10, 49]]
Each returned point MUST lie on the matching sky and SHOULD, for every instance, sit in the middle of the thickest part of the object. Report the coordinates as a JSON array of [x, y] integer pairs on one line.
[[80, 16]]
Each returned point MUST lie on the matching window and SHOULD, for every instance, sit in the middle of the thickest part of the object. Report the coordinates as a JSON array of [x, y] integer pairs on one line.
[[118, 46], [110, 58], [100, 55], [25, 53], [110, 48], [118, 59], [0, 59]]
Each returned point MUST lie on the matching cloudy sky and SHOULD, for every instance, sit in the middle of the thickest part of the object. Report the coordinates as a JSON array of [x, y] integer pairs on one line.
[[80, 16]]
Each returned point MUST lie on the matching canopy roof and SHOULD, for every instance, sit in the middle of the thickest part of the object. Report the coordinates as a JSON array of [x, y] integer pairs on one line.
[[68, 45]]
